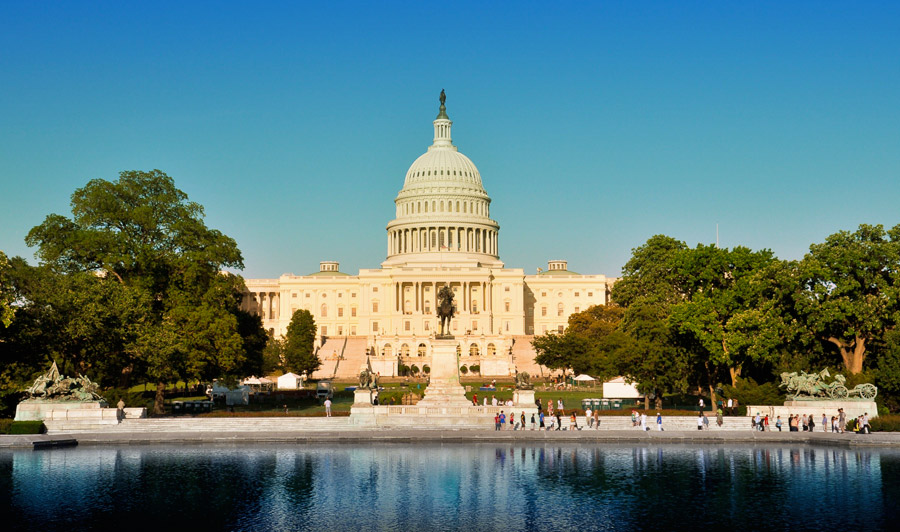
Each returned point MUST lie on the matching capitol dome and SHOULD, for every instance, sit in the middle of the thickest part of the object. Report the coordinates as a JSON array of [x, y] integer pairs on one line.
[[443, 207]]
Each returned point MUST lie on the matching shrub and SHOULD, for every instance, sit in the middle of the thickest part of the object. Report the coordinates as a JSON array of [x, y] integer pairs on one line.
[[463, 370], [8, 426], [748, 392], [475, 368], [426, 369], [132, 399], [414, 369], [889, 423]]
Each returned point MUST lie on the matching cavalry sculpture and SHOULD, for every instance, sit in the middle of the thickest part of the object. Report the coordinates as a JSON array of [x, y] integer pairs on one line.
[[813, 386]]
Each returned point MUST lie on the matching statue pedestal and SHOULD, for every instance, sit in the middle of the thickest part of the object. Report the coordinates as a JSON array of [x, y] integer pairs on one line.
[[31, 410], [443, 387], [524, 398], [816, 408], [362, 397]]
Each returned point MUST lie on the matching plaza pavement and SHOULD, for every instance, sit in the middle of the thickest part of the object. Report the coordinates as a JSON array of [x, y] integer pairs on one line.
[[357, 436]]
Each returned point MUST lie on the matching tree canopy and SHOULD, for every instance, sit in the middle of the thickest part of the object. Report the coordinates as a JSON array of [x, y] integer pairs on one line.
[[132, 284], [299, 341]]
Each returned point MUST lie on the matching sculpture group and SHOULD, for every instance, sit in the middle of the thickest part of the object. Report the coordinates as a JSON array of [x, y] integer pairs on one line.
[[52, 386], [813, 386]]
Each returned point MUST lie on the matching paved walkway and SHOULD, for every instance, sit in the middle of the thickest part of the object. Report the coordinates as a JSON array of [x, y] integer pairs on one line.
[[883, 439]]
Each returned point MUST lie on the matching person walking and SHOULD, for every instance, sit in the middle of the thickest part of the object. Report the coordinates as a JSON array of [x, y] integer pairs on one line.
[[705, 422], [573, 422], [327, 407], [700, 421], [778, 423], [719, 417], [559, 419], [644, 426], [766, 423], [659, 421], [523, 420], [496, 421], [597, 418], [541, 420], [474, 399]]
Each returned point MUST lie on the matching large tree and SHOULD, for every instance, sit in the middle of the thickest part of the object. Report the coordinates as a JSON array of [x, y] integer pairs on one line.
[[851, 290], [143, 233], [299, 341], [6, 292], [588, 344]]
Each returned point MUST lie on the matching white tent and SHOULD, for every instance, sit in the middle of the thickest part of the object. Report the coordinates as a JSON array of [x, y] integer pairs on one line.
[[289, 381], [584, 378], [252, 381], [619, 389]]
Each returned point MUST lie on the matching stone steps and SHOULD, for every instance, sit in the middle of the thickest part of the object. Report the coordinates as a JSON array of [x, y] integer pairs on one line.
[[344, 423]]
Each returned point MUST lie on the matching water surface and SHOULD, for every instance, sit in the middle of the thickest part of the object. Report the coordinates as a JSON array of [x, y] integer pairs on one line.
[[450, 487]]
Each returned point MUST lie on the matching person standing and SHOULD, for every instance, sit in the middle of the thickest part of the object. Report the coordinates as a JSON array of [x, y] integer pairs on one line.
[[502, 420], [485, 400], [730, 406], [559, 404], [842, 420], [705, 422], [327, 407], [824, 423], [573, 423], [659, 421], [701, 404], [778, 423], [532, 422], [550, 407], [493, 400], [719, 417], [644, 422], [700, 421], [588, 417], [496, 421], [474, 399], [559, 420], [597, 418], [634, 418], [541, 420], [523, 420]]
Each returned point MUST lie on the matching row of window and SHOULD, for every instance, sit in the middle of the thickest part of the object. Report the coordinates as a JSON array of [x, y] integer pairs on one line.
[[422, 350], [467, 207]]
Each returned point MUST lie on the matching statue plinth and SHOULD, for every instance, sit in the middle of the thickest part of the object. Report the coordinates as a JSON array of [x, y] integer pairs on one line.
[[37, 409], [444, 388]]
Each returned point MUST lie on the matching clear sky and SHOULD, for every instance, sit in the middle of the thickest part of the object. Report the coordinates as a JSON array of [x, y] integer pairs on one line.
[[594, 125]]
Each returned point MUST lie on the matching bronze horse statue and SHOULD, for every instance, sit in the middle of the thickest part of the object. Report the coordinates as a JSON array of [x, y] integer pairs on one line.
[[445, 309]]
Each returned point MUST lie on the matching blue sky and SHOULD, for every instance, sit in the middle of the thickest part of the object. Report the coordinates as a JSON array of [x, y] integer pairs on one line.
[[594, 125]]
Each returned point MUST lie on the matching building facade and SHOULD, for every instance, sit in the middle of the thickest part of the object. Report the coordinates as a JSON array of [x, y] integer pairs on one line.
[[441, 234]]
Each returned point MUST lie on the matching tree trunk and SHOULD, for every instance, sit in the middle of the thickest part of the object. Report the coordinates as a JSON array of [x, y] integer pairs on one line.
[[735, 373], [658, 400], [853, 353], [159, 404], [646, 402], [711, 384], [125, 377]]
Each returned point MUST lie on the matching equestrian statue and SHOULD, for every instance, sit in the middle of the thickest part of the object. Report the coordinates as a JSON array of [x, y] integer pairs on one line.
[[445, 310]]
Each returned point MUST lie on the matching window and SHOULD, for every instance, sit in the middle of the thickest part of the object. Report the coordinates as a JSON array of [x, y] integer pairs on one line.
[[560, 329], [543, 311], [507, 326], [340, 331], [577, 294], [473, 350], [474, 307], [375, 326], [543, 294], [491, 350], [404, 350], [590, 294], [406, 325], [387, 350], [427, 326], [559, 309], [375, 289], [294, 294], [324, 312], [577, 310], [506, 306], [353, 294], [422, 350], [342, 295], [506, 289], [374, 306], [353, 331], [306, 294], [474, 325], [340, 312], [324, 330], [353, 311]]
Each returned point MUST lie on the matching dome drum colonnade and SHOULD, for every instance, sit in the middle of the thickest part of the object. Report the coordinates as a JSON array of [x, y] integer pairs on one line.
[[443, 207]]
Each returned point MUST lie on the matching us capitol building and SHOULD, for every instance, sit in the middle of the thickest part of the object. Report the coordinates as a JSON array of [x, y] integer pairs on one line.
[[442, 234]]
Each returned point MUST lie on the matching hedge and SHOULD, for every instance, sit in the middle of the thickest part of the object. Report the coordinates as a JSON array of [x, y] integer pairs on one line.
[[8, 426]]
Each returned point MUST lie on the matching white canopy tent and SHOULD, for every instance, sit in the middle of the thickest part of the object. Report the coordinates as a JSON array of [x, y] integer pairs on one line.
[[290, 381]]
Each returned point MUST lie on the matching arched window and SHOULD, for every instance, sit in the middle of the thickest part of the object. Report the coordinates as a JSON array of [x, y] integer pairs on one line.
[[324, 312], [491, 350], [473, 350], [404, 350], [387, 350], [422, 351]]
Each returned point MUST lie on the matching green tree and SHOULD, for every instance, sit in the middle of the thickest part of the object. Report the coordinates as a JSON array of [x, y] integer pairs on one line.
[[299, 356], [7, 294], [851, 290], [273, 356], [144, 233], [587, 346]]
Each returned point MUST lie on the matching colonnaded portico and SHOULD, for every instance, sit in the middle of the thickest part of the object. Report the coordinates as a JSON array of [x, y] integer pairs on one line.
[[442, 235]]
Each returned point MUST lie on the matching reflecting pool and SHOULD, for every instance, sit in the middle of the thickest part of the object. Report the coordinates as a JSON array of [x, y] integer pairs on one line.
[[449, 487]]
